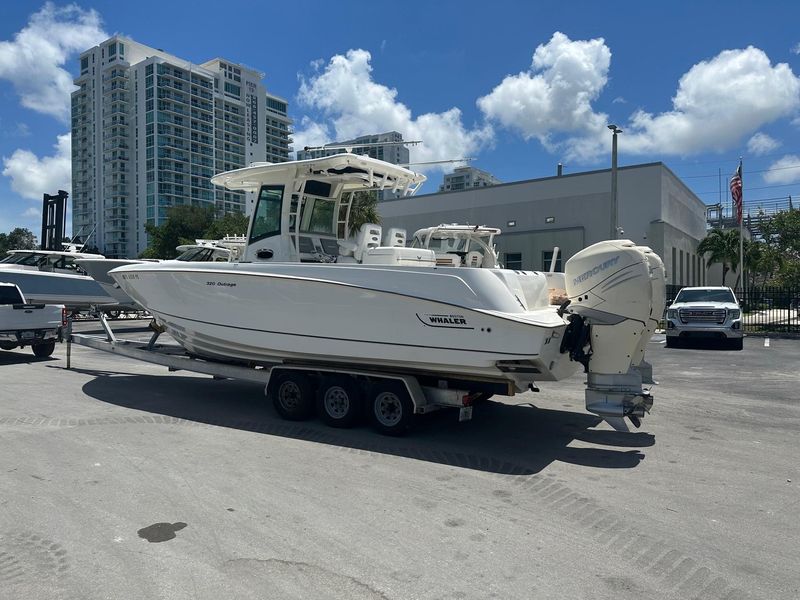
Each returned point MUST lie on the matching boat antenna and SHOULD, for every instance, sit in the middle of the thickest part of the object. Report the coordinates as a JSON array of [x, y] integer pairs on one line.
[[349, 147], [438, 162]]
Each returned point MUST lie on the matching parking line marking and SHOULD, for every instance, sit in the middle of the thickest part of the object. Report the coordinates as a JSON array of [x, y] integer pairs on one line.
[[766, 342]]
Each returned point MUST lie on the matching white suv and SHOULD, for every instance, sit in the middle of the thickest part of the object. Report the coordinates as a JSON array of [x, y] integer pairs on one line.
[[705, 312]]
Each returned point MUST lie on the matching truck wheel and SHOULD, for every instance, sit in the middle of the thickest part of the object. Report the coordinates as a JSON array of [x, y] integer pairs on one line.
[[44, 350], [293, 396], [670, 343], [339, 401], [736, 344], [390, 408]]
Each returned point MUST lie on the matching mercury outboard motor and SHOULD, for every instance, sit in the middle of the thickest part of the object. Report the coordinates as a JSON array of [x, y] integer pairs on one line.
[[616, 297]]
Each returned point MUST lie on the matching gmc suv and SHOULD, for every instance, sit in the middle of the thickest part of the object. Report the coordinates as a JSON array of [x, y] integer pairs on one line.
[[705, 312]]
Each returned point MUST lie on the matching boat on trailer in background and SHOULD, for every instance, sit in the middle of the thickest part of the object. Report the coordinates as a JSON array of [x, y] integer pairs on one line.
[[365, 320]]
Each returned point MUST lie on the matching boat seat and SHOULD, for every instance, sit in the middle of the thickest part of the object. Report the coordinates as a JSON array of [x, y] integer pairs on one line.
[[448, 260], [395, 237], [368, 236], [473, 259]]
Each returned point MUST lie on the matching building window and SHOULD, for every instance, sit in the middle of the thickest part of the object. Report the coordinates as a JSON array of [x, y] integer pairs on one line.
[[232, 89], [674, 266], [680, 265], [547, 258], [514, 261], [112, 49]]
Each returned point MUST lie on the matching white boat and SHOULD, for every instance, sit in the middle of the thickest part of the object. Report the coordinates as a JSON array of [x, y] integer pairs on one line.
[[306, 292], [229, 248], [54, 277]]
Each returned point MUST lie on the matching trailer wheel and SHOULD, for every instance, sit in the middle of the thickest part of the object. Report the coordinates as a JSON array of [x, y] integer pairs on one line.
[[293, 396], [44, 350], [390, 408], [339, 401], [7, 346]]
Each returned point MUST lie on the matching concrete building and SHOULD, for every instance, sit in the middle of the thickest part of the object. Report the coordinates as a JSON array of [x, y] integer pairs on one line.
[[148, 131], [573, 211], [383, 146], [464, 178]]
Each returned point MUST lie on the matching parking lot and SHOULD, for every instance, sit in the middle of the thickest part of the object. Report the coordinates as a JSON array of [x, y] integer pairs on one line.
[[123, 480]]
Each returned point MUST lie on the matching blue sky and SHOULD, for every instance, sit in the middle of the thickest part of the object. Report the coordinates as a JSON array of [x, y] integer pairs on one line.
[[519, 86]]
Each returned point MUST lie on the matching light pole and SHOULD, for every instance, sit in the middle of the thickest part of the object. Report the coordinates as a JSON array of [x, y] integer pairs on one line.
[[614, 216]]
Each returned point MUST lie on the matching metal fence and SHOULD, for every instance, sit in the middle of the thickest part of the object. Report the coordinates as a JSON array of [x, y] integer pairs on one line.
[[765, 309]]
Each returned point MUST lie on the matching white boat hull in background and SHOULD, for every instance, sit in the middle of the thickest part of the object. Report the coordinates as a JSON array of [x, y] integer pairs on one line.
[[76, 292]]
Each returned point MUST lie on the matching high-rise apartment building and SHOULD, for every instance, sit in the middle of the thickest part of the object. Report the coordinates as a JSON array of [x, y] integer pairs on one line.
[[465, 178], [384, 146], [148, 131]]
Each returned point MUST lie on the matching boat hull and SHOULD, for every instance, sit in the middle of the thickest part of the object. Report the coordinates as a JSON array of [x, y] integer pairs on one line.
[[76, 292], [298, 313]]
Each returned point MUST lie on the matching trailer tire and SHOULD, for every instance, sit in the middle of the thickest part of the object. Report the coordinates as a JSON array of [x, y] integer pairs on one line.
[[43, 350], [390, 408], [7, 346], [293, 396], [340, 401]]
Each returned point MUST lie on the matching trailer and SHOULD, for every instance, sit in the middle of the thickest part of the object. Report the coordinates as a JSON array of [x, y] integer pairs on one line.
[[339, 394]]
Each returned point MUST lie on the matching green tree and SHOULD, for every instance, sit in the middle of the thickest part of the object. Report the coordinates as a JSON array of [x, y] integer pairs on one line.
[[364, 210], [722, 245], [183, 225], [19, 238], [231, 224]]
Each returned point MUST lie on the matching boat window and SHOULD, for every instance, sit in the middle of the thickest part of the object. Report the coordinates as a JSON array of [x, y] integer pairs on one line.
[[194, 255], [267, 217], [31, 260], [318, 216]]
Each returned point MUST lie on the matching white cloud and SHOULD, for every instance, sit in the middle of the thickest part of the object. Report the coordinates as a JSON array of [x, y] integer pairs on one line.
[[33, 213], [619, 100], [556, 93], [33, 60], [784, 170], [718, 102], [347, 96], [32, 176], [795, 49], [310, 134], [22, 130], [761, 144]]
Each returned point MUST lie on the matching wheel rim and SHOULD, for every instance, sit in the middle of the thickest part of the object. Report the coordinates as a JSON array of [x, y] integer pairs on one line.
[[336, 402], [388, 409], [289, 395]]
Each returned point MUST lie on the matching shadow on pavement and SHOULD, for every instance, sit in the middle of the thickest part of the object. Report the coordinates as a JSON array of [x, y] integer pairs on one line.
[[501, 438], [21, 356]]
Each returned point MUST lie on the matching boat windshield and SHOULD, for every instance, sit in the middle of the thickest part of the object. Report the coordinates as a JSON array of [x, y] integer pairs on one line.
[[204, 255], [318, 216], [30, 260]]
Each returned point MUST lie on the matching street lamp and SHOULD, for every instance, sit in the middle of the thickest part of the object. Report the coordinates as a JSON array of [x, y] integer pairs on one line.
[[615, 231]]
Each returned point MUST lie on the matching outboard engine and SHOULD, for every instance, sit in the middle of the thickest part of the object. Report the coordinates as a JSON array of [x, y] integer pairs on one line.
[[616, 293]]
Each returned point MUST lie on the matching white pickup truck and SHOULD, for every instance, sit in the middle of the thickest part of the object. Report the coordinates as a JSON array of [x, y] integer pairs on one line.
[[22, 324], [705, 312]]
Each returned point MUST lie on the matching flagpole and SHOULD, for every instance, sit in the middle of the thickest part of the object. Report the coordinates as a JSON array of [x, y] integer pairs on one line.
[[741, 232]]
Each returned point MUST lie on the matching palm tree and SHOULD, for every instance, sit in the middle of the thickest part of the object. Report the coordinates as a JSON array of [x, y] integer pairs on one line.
[[723, 247], [364, 210]]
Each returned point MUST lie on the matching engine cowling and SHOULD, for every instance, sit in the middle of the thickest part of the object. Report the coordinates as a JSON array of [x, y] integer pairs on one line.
[[616, 288]]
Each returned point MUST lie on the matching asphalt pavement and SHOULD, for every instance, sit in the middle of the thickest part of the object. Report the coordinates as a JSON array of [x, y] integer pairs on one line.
[[123, 480]]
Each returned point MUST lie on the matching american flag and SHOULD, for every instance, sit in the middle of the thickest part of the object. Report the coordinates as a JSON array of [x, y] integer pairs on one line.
[[736, 192]]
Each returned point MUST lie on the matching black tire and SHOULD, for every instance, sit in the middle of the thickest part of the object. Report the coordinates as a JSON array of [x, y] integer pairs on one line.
[[340, 401], [390, 408], [114, 314], [7, 346], [44, 350], [736, 344], [671, 342], [293, 395]]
